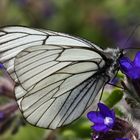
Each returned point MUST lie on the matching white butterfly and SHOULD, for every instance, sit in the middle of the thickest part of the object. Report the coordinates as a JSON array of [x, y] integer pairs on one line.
[[57, 75]]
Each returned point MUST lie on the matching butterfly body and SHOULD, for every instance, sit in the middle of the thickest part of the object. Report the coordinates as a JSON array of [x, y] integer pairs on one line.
[[58, 76]]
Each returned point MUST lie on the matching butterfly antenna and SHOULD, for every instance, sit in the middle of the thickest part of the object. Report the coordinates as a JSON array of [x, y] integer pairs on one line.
[[130, 36]]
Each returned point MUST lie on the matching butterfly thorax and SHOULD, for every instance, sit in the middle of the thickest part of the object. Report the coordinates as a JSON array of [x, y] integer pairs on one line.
[[112, 63]]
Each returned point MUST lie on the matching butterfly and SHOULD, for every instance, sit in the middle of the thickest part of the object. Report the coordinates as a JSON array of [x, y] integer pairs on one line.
[[57, 75]]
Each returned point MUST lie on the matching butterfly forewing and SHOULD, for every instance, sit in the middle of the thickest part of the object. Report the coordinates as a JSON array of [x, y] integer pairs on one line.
[[14, 39]]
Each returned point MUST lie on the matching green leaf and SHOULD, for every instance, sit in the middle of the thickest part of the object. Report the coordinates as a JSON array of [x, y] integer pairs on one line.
[[114, 98], [80, 128], [28, 133]]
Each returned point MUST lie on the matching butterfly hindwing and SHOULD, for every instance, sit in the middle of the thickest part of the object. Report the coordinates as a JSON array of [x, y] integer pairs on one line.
[[57, 84]]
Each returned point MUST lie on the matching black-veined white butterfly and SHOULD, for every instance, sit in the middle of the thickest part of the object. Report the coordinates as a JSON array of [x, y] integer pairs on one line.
[[57, 75]]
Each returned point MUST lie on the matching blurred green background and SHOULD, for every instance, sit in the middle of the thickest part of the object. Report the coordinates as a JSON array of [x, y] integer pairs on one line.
[[104, 22], [107, 23]]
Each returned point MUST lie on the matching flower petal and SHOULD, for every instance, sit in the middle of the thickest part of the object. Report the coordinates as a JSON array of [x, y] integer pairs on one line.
[[100, 128], [137, 59], [105, 111], [95, 117], [134, 73], [125, 64], [131, 69], [1, 66]]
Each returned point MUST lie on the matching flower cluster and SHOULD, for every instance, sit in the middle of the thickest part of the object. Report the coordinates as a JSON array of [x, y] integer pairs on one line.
[[108, 127], [132, 70], [103, 119]]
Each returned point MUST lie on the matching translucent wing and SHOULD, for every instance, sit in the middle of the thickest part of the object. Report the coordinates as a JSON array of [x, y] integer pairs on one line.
[[57, 83], [14, 39]]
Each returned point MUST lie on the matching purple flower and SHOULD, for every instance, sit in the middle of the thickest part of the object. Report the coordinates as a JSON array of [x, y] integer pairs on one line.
[[103, 119], [121, 139], [122, 130], [1, 66], [131, 68]]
